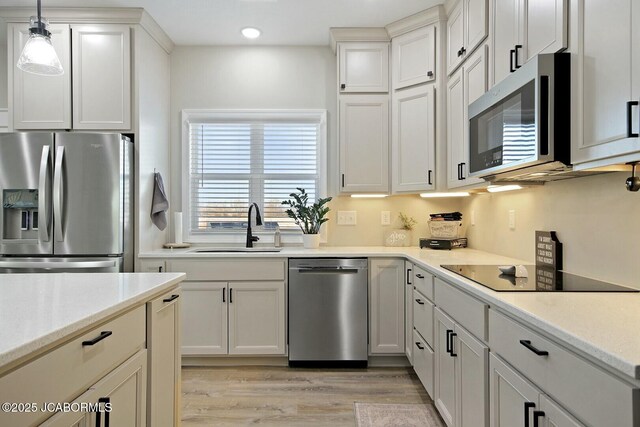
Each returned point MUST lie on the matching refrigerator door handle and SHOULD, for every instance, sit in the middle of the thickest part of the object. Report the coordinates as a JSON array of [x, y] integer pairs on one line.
[[56, 265], [43, 196], [57, 194]]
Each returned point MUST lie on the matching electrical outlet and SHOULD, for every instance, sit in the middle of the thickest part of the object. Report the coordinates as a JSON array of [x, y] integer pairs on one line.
[[346, 217], [385, 218], [512, 219], [473, 217]]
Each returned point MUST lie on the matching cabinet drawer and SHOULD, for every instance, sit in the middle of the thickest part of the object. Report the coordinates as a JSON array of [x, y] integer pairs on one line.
[[423, 282], [469, 312], [230, 269], [588, 392], [423, 316], [69, 370], [423, 362]]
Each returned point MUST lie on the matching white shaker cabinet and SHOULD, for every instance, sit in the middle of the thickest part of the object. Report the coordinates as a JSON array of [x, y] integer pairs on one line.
[[363, 67], [204, 318], [413, 146], [467, 27], [445, 368], [101, 76], [364, 143], [386, 306], [408, 311], [39, 102], [605, 82], [414, 57]]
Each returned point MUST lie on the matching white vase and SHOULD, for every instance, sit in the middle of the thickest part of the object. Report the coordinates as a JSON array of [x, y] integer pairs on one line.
[[311, 241]]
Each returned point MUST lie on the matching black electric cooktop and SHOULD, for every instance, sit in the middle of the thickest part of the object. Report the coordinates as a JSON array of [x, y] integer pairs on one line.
[[540, 279]]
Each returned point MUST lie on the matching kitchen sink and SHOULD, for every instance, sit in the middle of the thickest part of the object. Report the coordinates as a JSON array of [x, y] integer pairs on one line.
[[234, 249]]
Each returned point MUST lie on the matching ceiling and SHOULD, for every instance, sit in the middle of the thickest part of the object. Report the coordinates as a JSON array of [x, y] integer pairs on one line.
[[282, 22]]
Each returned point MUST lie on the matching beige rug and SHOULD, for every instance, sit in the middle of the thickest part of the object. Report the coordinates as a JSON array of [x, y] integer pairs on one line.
[[405, 415]]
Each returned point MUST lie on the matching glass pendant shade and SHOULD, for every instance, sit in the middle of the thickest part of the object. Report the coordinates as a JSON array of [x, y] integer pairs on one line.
[[38, 55]]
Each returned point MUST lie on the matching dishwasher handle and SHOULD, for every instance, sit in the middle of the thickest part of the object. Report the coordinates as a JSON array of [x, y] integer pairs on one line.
[[339, 270]]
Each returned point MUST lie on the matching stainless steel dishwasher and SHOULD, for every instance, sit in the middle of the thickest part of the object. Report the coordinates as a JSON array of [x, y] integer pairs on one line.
[[328, 312]]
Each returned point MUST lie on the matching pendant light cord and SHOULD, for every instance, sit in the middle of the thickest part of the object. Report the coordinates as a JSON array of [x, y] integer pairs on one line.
[[39, 7]]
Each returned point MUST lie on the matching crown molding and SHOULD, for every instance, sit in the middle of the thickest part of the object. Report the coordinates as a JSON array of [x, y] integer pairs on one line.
[[418, 20], [361, 34]]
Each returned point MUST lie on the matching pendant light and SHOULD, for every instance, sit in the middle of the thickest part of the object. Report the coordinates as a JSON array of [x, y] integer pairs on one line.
[[38, 55]]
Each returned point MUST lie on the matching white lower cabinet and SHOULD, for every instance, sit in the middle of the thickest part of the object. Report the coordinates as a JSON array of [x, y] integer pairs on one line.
[[460, 374], [408, 312], [386, 306], [423, 361], [204, 318]]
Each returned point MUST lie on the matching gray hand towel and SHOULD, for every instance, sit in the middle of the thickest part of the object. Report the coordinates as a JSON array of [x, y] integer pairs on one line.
[[159, 204]]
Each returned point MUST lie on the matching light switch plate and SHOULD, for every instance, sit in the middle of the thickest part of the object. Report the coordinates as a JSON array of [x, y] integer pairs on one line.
[[512, 219], [385, 218], [346, 217]]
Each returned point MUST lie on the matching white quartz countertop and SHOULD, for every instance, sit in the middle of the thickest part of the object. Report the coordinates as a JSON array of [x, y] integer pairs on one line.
[[37, 310], [601, 326]]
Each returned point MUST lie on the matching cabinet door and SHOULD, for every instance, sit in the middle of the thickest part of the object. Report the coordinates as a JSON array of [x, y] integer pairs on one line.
[[204, 318], [455, 129], [414, 59], [455, 38], [364, 143], [476, 23], [163, 347], [472, 368], [505, 31], [364, 67], [413, 144], [408, 312], [40, 102], [256, 318], [603, 79], [546, 27], [555, 415], [153, 266], [445, 369], [508, 394], [386, 306], [423, 361], [101, 76]]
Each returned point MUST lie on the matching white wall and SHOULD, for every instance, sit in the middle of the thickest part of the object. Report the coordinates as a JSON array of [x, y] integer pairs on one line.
[[152, 88], [596, 219]]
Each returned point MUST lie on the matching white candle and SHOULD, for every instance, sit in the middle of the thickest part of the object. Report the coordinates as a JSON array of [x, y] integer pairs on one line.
[[177, 226]]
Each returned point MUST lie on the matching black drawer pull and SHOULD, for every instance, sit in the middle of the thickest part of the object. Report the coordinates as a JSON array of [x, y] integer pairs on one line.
[[429, 177], [536, 416], [462, 165], [518, 46], [527, 344], [171, 298], [419, 301], [449, 332], [419, 346], [527, 407], [343, 86], [419, 276], [453, 334], [630, 133], [408, 275], [429, 73], [97, 339], [511, 55]]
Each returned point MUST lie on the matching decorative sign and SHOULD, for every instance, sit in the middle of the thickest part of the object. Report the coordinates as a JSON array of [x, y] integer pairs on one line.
[[548, 250]]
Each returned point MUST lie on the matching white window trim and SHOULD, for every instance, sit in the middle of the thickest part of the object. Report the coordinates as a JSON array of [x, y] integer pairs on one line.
[[189, 115]]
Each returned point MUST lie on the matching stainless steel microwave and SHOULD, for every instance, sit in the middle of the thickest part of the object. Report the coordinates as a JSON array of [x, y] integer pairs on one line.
[[522, 124]]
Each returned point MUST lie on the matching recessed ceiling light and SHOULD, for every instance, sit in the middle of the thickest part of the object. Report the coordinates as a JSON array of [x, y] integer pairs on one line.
[[251, 33]]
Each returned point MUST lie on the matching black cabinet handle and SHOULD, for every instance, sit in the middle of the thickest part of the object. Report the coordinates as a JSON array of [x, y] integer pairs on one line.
[[463, 50], [518, 46], [408, 276], [459, 53], [630, 133], [105, 400], [527, 407], [230, 295], [419, 276], [97, 339], [448, 346], [459, 171], [419, 346], [453, 334], [342, 180], [527, 344], [429, 73], [536, 416], [511, 54], [343, 86], [429, 176], [160, 269], [171, 298], [223, 292], [419, 301], [462, 165]]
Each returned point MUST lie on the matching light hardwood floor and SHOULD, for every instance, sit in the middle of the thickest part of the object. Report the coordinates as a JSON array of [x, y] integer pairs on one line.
[[280, 396]]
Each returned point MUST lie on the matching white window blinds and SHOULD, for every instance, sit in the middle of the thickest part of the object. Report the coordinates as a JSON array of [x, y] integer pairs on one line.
[[234, 162]]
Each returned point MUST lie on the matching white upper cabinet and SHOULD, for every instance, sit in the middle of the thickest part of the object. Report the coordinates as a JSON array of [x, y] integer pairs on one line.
[[605, 81], [467, 27], [522, 29], [364, 143], [363, 67], [414, 60], [40, 102], [413, 142], [101, 76]]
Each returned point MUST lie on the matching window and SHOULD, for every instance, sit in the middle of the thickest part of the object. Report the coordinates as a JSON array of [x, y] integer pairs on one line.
[[234, 158]]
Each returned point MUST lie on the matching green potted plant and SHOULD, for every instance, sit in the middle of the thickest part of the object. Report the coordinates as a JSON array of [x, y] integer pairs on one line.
[[308, 217]]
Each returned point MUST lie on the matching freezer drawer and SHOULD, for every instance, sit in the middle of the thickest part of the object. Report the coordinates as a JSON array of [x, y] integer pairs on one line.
[[61, 265]]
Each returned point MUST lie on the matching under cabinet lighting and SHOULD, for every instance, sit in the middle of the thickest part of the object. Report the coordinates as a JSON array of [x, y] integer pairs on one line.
[[251, 33], [369, 196], [452, 194], [501, 188]]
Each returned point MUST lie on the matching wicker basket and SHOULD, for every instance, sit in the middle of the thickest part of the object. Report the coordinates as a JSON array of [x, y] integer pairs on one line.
[[446, 229]]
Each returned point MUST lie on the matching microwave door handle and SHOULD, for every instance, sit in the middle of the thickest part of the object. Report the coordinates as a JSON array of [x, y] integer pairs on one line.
[[43, 196], [543, 140], [58, 194]]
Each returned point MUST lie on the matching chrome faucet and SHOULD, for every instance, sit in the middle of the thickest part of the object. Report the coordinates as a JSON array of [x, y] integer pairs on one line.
[[250, 237]]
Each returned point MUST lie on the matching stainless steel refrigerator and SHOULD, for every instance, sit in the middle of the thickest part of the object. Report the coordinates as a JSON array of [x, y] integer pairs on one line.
[[66, 202]]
